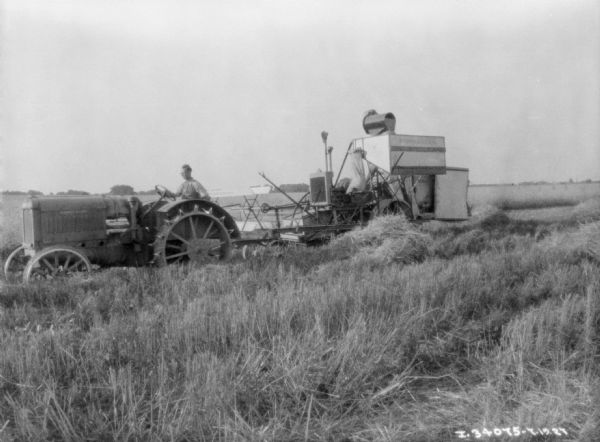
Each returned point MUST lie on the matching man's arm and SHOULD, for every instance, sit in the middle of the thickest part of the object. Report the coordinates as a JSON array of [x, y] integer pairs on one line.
[[179, 190], [201, 190]]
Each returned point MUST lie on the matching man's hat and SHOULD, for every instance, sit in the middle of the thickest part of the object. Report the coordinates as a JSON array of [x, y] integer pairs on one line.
[[186, 167]]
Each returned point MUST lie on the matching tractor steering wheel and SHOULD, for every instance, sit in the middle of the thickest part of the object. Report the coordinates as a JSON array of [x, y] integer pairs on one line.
[[164, 192]]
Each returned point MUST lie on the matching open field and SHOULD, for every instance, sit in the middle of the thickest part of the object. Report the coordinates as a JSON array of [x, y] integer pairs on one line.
[[530, 196], [392, 333]]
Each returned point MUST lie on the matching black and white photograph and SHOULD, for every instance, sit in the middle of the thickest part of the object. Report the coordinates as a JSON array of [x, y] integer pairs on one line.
[[337, 221]]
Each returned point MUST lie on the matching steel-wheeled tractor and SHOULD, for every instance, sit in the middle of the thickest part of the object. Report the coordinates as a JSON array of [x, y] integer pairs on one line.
[[65, 235]]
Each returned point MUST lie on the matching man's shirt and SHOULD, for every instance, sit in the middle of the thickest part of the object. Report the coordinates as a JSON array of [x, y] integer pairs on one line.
[[191, 189]]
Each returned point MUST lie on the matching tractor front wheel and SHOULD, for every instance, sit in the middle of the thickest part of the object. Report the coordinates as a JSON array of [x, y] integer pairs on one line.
[[15, 264], [56, 262]]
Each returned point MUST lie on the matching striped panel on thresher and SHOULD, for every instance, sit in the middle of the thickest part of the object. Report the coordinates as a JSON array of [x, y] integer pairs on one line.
[[405, 154]]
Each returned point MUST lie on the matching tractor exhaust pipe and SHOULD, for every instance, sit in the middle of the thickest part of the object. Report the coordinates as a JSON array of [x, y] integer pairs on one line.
[[324, 136]]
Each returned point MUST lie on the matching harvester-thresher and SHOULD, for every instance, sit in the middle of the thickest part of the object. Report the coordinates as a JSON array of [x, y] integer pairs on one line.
[[66, 235], [387, 173]]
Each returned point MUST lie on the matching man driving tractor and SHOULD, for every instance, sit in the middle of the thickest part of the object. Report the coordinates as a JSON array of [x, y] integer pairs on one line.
[[191, 188]]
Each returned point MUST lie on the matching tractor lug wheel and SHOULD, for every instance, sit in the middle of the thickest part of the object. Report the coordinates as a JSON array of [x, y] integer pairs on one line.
[[196, 237], [56, 262], [15, 264]]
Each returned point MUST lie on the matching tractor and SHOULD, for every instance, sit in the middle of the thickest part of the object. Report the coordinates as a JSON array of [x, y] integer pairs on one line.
[[67, 235]]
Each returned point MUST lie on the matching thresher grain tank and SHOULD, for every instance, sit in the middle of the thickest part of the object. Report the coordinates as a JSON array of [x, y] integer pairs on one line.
[[417, 165]]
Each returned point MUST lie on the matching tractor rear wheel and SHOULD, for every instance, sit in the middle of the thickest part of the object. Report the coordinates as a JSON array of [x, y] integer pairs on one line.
[[197, 237], [15, 264], [56, 262]]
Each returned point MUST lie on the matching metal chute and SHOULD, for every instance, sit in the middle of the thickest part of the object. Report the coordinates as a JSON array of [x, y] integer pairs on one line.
[[377, 124]]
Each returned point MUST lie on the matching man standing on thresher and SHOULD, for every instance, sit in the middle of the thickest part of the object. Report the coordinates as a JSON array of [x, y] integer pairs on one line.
[[190, 188]]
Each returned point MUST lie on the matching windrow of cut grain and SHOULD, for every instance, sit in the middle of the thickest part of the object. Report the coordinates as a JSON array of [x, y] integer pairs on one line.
[[585, 241], [587, 210], [384, 240]]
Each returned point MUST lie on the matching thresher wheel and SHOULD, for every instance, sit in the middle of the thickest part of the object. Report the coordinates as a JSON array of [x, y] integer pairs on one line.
[[397, 208], [15, 264], [298, 210], [197, 237], [250, 251], [56, 262]]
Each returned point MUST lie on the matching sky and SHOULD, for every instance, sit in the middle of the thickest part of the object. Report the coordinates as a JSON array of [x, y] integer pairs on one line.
[[102, 92]]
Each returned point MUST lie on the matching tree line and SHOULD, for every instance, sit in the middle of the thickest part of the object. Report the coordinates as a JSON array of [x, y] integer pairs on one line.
[[126, 189], [118, 189]]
